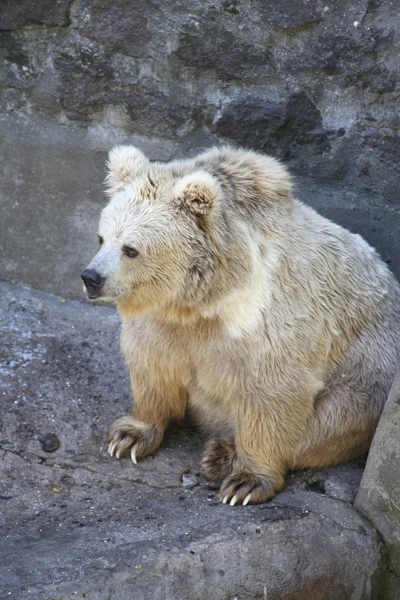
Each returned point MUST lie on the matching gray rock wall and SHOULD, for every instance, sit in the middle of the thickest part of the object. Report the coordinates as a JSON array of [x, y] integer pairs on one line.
[[313, 82]]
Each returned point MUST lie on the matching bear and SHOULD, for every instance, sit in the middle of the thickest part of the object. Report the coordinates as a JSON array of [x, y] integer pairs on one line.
[[278, 329]]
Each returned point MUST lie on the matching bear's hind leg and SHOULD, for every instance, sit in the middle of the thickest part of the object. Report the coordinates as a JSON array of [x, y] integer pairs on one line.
[[268, 431], [341, 428], [218, 460], [336, 449], [347, 412]]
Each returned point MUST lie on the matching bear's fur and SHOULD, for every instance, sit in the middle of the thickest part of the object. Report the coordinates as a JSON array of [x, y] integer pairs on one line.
[[279, 329]]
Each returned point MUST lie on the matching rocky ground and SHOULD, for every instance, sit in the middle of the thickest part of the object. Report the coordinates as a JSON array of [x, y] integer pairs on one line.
[[77, 524]]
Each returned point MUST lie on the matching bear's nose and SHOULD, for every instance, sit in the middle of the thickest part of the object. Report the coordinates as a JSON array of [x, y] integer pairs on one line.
[[92, 278], [93, 283]]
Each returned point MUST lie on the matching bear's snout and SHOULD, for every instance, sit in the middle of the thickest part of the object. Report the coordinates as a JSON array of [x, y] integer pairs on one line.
[[93, 282]]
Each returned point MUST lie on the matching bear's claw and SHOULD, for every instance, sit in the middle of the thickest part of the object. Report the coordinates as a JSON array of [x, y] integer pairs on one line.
[[129, 435], [247, 499], [133, 454], [111, 448], [244, 488]]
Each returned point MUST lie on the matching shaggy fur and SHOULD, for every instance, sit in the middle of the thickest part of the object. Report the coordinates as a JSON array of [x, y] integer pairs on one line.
[[278, 328]]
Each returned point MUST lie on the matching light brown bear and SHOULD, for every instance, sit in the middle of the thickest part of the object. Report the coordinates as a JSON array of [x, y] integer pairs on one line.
[[279, 329]]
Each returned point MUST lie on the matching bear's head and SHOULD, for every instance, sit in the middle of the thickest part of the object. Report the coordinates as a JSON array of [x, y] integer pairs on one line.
[[170, 242]]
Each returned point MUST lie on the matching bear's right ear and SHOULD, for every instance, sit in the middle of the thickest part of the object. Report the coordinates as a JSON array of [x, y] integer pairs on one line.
[[198, 194], [124, 164]]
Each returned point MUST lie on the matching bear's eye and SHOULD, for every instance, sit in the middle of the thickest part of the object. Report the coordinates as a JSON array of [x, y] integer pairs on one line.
[[101, 241], [131, 252]]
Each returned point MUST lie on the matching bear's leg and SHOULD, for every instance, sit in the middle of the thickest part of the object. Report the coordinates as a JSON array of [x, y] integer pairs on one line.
[[268, 432], [347, 411], [336, 449], [157, 401], [341, 427], [218, 460], [220, 450]]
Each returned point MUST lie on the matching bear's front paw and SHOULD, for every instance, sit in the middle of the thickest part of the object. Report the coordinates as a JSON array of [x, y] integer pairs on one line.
[[244, 488], [128, 434]]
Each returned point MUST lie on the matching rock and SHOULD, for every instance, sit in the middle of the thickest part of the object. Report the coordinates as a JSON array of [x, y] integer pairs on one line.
[[288, 16], [119, 26], [89, 83], [275, 128], [14, 15], [212, 46], [390, 587], [251, 121], [189, 480], [49, 442], [379, 493]]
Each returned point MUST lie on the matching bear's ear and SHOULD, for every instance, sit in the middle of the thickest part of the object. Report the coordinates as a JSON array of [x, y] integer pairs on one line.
[[198, 194], [124, 164]]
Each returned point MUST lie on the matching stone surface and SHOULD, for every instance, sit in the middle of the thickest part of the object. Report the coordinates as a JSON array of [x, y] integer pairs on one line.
[[313, 82], [14, 15], [119, 26], [77, 524], [390, 587], [379, 493]]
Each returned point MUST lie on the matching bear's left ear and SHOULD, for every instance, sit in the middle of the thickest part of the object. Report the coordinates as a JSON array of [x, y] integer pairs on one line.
[[198, 194], [124, 164]]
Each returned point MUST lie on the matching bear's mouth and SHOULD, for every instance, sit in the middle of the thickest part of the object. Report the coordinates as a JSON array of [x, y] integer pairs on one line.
[[91, 294], [92, 283]]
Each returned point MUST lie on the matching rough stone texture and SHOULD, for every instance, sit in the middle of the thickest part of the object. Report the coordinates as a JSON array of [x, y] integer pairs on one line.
[[313, 82], [18, 14], [77, 524], [390, 587], [379, 493]]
